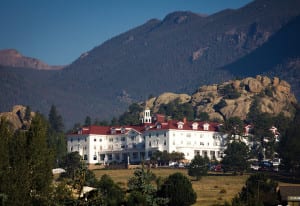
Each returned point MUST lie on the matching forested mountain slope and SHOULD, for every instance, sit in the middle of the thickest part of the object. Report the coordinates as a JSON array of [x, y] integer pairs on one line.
[[177, 54]]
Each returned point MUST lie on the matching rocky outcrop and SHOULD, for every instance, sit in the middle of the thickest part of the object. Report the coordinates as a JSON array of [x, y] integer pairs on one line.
[[17, 117], [273, 95]]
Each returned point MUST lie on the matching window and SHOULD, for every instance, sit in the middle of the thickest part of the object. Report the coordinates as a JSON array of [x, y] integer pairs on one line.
[[165, 142], [202, 143], [149, 143], [188, 135], [102, 157], [132, 138], [150, 154], [122, 139], [157, 134], [135, 155], [100, 140], [71, 149], [117, 156], [95, 140], [110, 139], [149, 135], [212, 154], [71, 139], [109, 156], [85, 157], [165, 134], [95, 157]]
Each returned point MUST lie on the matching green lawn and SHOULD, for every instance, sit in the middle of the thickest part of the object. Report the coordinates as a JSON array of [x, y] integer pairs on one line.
[[211, 190]]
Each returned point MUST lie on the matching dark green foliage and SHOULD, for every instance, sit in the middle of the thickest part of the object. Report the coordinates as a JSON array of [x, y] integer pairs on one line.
[[87, 121], [203, 116], [259, 190], [177, 110], [136, 198], [178, 189], [132, 116], [229, 92], [289, 147], [71, 162], [27, 164], [112, 194], [56, 137], [163, 158], [27, 115], [235, 158], [222, 103], [234, 126], [198, 167], [55, 120], [142, 190]]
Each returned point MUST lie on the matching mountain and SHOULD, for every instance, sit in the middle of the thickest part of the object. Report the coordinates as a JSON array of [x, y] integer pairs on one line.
[[177, 54], [12, 58], [235, 98]]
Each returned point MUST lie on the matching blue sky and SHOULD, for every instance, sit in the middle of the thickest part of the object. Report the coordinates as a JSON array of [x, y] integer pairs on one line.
[[59, 31]]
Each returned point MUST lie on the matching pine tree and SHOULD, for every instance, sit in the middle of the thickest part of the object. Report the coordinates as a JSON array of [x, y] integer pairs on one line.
[[40, 160], [6, 134], [55, 120]]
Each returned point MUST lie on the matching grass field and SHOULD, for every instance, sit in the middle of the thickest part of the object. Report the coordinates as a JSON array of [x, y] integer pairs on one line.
[[214, 189]]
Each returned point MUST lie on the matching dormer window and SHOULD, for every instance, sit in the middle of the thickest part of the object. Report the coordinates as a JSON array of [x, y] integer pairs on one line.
[[195, 126], [206, 127], [123, 130], [180, 125], [113, 130]]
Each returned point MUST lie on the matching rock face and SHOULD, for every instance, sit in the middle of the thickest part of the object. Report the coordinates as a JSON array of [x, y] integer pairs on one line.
[[273, 95], [16, 117], [12, 58]]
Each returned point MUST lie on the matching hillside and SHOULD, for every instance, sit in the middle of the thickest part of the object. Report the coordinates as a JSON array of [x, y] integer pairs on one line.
[[235, 98], [12, 58], [177, 54]]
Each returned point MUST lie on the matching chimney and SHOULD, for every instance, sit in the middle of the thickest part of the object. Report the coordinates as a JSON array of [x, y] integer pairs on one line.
[[184, 120]]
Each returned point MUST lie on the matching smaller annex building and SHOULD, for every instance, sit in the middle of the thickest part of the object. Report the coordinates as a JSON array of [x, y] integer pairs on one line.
[[132, 144]]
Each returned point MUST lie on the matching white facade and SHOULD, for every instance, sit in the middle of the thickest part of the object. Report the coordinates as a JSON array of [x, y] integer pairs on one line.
[[186, 139], [102, 144], [98, 144]]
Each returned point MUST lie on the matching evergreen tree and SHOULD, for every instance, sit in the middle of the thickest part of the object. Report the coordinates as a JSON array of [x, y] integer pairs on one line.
[[258, 190], [6, 135], [112, 194], [40, 160], [178, 189], [28, 175], [142, 191], [55, 120], [198, 167], [56, 137], [27, 116], [235, 158], [88, 121]]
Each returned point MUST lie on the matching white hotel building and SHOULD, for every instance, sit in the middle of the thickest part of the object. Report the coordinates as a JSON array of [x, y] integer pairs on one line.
[[104, 144]]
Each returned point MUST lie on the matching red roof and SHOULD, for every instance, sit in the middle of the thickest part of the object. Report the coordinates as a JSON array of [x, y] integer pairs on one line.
[[171, 124], [107, 130]]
